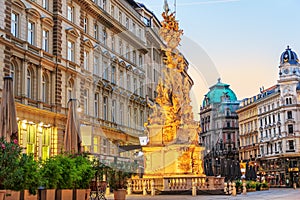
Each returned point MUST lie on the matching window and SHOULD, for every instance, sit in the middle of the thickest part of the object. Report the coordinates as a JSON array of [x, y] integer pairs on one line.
[[140, 60], [112, 11], [113, 74], [105, 72], [120, 47], [104, 38], [104, 4], [45, 4], [120, 17], [290, 129], [289, 115], [133, 28], [95, 144], [70, 13], [141, 118], [29, 83], [71, 50], [141, 88], [96, 31], [134, 57], [127, 23], [85, 25], [105, 108], [135, 118], [128, 82], [129, 117], [85, 101], [44, 88], [14, 24], [273, 118], [278, 116], [291, 144], [69, 90], [45, 42], [96, 105], [127, 55], [121, 113], [113, 110], [134, 85], [86, 60], [96, 63], [121, 80], [112, 43], [30, 33], [288, 101]]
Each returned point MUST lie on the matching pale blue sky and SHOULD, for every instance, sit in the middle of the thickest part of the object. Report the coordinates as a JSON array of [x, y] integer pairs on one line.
[[242, 38]]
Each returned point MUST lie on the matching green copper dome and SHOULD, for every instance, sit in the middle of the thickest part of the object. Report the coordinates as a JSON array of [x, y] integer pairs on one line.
[[218, 93]]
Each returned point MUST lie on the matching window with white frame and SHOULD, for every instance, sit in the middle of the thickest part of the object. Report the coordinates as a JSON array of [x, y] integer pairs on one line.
[[71, 51], [44, 88], [96, 65], [31, 32], [85, 101], [86, 60], [96, 31], [127, 54], [45, 40], [105, 68], [29, 84], [135, 85], [141, 88], [121, 113], [85, 24], [120, 47], [140, 60], [128, 82], [112, 42], [105, 108], [112, 10], [45, 4], [104, 36], [70, 13], [113, 74], [14, 24], [104, 3], [127, 22], [134, 57], [113, 111], [121, 79], [96, 105]]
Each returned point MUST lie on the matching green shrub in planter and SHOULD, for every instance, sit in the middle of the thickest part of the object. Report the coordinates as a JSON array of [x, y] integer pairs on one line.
[[68, 174], [258, 186], [85, 172], [51, 173], [264, 185]]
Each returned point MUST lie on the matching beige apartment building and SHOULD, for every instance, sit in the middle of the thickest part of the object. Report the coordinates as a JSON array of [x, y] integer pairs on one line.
[[104, 53]]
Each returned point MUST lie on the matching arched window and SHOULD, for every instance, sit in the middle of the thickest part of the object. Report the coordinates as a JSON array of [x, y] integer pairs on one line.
[[29, 84], [70, 86], [45, 88]]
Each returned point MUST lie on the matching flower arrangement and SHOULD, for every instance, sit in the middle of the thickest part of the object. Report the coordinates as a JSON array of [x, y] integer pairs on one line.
[[10, 171]]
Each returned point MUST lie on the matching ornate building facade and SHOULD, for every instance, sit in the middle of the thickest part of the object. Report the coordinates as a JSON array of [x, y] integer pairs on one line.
[[104, 53], [219, 128], [278, 128]]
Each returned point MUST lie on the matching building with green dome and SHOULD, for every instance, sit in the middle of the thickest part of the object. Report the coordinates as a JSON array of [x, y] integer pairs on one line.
[[219, 130]]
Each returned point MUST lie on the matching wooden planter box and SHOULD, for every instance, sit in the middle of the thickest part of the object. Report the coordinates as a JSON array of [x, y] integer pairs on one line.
[[120, 194], [48, 194], [80, 194], [12, 195], [64, 194], [2, 194], [27, 196]]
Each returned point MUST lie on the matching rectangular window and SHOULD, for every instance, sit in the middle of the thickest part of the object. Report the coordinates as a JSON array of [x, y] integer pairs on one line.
[[141, 89], [290, 129], [127, 23], [96, 63], [96, 104], [104, 4], [128, 82], [71, 50], [85, 25], [96, 31], [141, 118], [140, 60], [105, 72], [134, 57], [105, 108], [104, 36], [121, 113], [289, 115], [85, 101], [291, 144], [121, 80], [86, 60], [45, 4], [135, 85], [120, 17], [70, 14], [45, 42], [113, 74], [113, 110], [112, 43], [121, 48], [14, 24], [30, 33]]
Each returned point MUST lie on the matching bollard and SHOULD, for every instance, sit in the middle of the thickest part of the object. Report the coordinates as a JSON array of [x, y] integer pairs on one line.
[[144, 188], [194, 189], [152, 188], [244, 188], [225, 188], [233, 189], [229, 188], [129, 188], [107, 190]]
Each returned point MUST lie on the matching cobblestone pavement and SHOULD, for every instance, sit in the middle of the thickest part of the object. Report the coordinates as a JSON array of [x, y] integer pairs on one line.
[[272, 194]]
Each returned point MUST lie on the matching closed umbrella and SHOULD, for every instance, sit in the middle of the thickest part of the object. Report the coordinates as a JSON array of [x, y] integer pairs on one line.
[[72, 137], [8, 117]]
